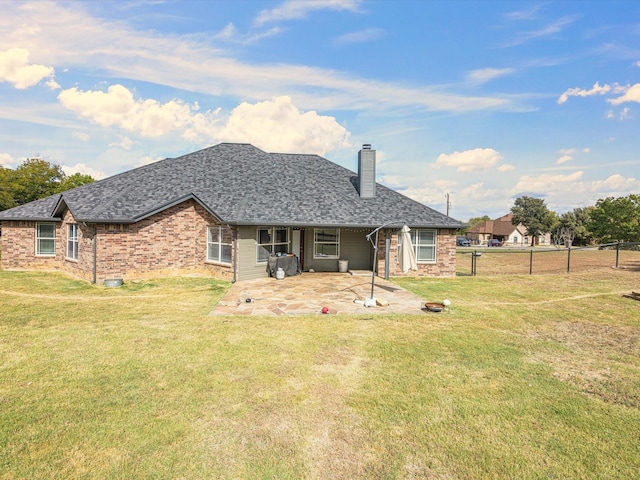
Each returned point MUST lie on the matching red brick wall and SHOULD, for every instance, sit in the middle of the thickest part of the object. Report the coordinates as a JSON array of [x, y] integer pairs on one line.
[[19, 248], [444, 266], [171, 242]]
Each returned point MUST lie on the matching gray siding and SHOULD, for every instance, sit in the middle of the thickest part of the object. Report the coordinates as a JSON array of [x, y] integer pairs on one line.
[[353, 247], [247, 267]]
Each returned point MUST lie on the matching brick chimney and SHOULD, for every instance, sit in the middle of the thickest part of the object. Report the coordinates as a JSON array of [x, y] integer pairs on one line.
[[367, 172]]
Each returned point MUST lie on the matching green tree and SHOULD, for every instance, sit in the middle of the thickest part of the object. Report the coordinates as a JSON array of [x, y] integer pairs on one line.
[[35, 178], [534, 215], [6, 189], [573, 228], [73, 181], [616, 219], [473, 222]]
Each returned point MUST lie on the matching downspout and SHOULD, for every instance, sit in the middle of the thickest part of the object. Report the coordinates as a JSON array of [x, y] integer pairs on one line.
[[95, 253], [235, 254], [387, 248]]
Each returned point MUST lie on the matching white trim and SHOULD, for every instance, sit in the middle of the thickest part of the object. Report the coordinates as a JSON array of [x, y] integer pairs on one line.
[[271, 246], [220, 244], [414, 234], [72, 240], [38, 238], [316, 243]]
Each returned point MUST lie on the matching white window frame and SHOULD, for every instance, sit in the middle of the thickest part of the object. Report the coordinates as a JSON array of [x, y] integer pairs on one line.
[[317, 243], [40, 238], [216, 244], [270, 247], [72, 241], [416, 247]]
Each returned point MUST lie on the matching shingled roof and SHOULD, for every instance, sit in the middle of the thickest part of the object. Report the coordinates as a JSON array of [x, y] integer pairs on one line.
[[240, 185]]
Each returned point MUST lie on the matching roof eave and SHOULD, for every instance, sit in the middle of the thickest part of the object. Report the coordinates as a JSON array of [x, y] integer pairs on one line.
[[30, 219], [153, 211]]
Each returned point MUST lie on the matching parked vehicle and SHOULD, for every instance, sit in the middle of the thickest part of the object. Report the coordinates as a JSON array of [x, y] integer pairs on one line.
[[463, 242], [494, 242]]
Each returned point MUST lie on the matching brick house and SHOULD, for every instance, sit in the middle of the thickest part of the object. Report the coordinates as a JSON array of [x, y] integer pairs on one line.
[[505, 231], [226, 211]]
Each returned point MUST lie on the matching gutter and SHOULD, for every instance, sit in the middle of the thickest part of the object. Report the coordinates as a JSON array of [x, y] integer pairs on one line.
[[235, 254], [95, 254]]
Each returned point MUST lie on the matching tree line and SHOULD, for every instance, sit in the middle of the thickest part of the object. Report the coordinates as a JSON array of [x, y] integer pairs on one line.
[[610, 220], [34, 179]]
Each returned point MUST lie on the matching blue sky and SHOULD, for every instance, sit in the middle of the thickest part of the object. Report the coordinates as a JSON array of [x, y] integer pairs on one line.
[[484, 100]]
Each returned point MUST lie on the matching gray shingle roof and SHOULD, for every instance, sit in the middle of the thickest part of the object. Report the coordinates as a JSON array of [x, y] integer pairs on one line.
[[241, 185]]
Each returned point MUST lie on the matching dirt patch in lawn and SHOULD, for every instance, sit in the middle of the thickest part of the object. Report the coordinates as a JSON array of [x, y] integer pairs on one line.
[[593, 357]]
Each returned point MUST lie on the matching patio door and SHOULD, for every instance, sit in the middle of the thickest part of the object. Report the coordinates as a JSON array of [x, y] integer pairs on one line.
[[297, 242]]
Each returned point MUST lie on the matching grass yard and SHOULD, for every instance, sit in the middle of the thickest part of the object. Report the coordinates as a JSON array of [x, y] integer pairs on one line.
[[528, 377]]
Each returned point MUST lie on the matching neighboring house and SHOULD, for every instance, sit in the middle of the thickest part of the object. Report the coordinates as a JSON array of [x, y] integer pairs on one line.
[[502, 229], [223, 211]]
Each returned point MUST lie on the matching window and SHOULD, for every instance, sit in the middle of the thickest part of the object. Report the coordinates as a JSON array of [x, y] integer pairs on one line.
[[423, 243], [326, 243], [45, 239], [271, 240], [515, 239], [219, 242], [72, 241]]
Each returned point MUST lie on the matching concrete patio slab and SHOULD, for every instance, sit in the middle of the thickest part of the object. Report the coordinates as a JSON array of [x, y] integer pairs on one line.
[[308, 293]]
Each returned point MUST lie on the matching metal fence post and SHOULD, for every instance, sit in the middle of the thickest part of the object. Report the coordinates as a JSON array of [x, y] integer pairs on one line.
[[617, 253], [531, 262], [569, 259]]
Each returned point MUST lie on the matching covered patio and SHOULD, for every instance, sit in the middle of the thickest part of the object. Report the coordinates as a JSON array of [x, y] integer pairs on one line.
[[308, 293]]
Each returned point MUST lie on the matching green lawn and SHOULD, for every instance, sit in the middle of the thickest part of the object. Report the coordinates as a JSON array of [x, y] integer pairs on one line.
[[524, 377]]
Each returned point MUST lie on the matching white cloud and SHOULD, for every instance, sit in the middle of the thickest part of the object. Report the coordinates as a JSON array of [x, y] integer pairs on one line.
[[148, 159], [631, 94], [568, 154], [361, 36], [529, 14], [6, 160], [81, 136], [275, 125], [487, 74], [470, 160], [572, 190], [625, 114], [279, 126], [297, 9], [83, 169], [597, 89], [15, 69], [198, 63], [546, 183], [506, 167], [616, 185], [477, 191], [117, 107], [125, 143], [549, 30]]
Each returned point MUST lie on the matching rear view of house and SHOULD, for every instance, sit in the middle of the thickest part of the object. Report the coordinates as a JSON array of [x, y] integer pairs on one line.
[[225, 211]]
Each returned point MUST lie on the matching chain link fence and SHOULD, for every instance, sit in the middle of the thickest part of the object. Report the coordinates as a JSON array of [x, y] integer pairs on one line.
[[538, 260]]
